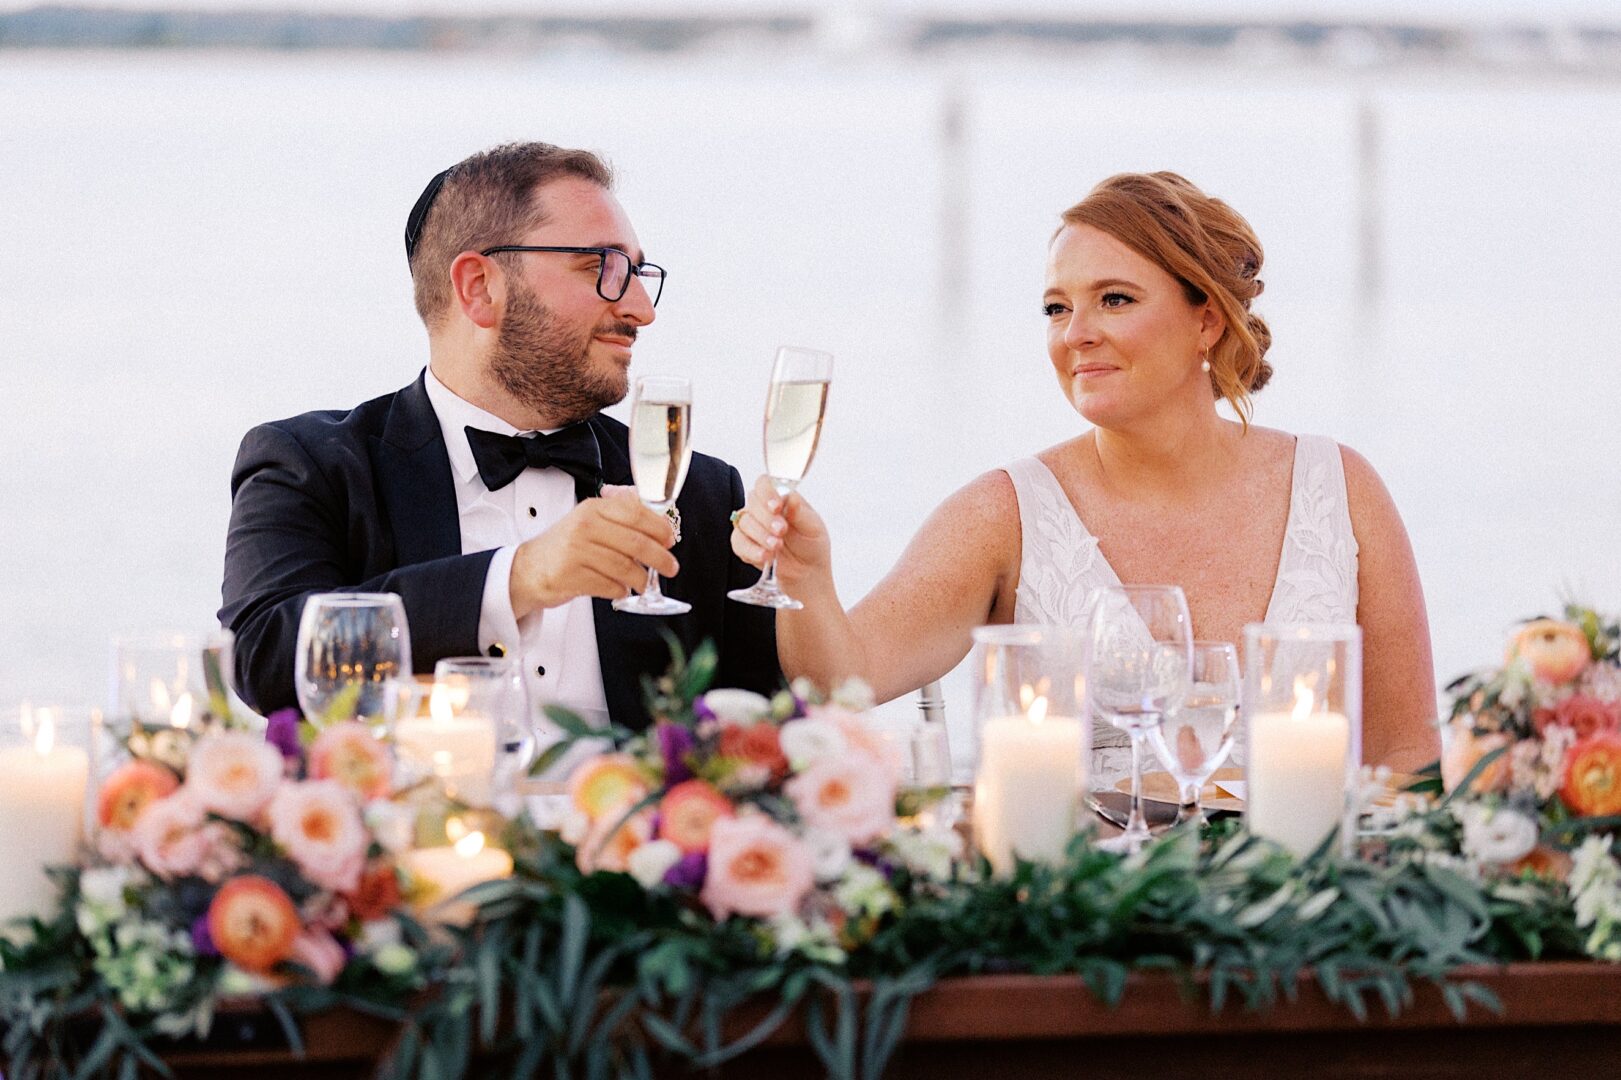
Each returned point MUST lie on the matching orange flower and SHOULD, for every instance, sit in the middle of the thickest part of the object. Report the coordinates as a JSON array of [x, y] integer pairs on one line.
[[1593, 776], [378, 893], [610, 851], [755, 743], [1557, 651], [1544, 862], [130, 789], [1463, 749], [607, 785], [688, 812], [253, 923]]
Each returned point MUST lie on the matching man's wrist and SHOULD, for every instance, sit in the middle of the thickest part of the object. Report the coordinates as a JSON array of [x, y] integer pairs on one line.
[[524, 585]]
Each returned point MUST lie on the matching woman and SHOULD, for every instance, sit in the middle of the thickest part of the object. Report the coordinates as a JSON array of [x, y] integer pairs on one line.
[[1148, 289]]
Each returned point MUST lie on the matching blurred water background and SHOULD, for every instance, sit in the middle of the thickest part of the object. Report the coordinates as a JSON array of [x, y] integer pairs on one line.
[[194, 241]]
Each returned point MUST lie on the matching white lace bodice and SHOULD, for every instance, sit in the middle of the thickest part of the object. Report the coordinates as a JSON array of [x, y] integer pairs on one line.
[[1060, 563]]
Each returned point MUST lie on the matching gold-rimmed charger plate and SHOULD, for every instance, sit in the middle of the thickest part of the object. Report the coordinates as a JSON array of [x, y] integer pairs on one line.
[[1162, 787]]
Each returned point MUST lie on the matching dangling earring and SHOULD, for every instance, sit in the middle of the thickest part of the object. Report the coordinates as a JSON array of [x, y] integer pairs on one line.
[[1204, 361]]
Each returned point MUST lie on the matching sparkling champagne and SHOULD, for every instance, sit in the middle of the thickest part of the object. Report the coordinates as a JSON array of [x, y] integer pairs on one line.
[[660, 449], [793, 425]]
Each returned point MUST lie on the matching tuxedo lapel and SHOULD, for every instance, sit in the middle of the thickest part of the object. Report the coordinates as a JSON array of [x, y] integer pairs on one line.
[[414, 480]]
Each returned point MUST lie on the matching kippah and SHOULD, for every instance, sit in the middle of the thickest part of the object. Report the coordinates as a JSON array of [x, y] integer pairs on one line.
[[419, 213]]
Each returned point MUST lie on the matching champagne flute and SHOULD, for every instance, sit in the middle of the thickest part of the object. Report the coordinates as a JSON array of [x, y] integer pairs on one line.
[[794, 408], [353, 657], [1142, 654], [1196, 735], [660, 451]]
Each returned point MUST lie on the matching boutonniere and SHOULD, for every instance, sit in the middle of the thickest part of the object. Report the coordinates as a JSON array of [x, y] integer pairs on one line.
[[675, 523]]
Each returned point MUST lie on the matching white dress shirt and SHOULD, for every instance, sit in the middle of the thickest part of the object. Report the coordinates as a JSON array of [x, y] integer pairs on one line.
[[555, 647]]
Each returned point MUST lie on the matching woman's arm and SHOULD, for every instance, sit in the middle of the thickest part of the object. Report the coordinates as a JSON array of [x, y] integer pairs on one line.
[[959, 572], [1398, 680]]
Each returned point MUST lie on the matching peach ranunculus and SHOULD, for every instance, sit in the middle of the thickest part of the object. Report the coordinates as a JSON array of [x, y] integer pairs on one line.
[[234, 774], [608, 845], [607, 785], [756, 867], [688, 812], [757, 744], [318, 824], [349, 753], [1556, 651], [317, 950], [253, 923], [1582, 713], [1592, 785], [1463, 749], [131, 788], [853, 796]]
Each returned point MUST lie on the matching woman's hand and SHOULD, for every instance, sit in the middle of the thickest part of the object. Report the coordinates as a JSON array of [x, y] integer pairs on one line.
[[785, 528]]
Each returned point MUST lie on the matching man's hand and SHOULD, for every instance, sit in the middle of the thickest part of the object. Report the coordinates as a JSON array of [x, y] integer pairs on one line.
[[602, 547]]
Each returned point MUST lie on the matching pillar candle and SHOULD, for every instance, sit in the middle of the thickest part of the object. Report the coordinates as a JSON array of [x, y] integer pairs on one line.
[[1297, 777], [42, 791], [1028, 788]]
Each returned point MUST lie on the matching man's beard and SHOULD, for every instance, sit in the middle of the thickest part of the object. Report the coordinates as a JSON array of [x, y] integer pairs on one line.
[[548, 369]]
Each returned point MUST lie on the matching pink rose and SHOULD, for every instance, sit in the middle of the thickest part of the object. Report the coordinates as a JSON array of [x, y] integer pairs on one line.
[[756, 867], [349, 753], [853, 796], [319, 826], [320, 952], [234, 774], [1582, 713], [168, 835]]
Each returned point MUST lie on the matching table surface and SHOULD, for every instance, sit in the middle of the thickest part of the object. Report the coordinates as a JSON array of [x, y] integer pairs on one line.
[[1558, 1017]]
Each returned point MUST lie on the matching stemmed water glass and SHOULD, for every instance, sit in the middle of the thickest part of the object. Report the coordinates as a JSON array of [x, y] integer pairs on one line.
[[1197, 733], [794, 408], [353, 658], [660, 451], [1141, 657]]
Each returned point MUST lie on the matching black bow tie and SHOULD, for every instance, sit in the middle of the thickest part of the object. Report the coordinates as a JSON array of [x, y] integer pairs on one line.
[[501, 458]]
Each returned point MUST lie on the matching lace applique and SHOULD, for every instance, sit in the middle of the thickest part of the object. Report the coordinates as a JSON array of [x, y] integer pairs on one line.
[[1060, 563], [1318, 567]]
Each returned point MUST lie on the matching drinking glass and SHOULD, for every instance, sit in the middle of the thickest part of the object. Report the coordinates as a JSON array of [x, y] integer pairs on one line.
[[1196, 735], [794, 408], [353, 657], [171, 680], [1142, 655], [660, 451], [924, 754]]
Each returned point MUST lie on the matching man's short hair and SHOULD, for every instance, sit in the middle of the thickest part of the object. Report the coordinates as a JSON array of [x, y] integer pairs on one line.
[[489, 199]]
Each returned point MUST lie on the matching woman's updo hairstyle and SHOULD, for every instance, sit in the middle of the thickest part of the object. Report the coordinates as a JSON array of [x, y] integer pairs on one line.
[[1208, 247]]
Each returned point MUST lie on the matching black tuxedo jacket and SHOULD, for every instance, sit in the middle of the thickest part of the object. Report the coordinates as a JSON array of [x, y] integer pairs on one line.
[[365, 501]]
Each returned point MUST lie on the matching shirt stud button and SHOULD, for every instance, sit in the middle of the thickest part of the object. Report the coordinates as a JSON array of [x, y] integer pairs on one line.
[[541, 670], [532, 512]]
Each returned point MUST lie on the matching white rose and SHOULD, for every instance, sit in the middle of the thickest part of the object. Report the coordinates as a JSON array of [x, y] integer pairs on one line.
[[104, 887], [830, 853], [1497, 836], [649, 862], [737, 706], [805, 742], [853, 694]]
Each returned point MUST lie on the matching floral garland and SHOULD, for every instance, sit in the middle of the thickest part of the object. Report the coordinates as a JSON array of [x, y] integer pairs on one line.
[[745, 848]]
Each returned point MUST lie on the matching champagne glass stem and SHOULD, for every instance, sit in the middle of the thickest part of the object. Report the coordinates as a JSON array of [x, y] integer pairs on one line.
[[652, 591]]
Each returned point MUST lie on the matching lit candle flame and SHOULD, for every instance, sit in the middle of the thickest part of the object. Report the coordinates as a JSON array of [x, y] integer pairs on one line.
[[45, 733], [162, 703], [1037, 711], [470, 845], [1304, 699], [445, 701], [180, 715], [455, 828]]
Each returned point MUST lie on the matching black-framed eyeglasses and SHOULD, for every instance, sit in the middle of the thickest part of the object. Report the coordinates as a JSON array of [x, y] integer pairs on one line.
[[613, 273]]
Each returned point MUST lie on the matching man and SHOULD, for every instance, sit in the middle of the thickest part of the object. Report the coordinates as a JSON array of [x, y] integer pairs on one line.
[[474, 492]]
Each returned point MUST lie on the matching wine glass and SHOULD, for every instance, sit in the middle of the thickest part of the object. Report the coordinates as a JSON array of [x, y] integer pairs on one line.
[[353, 657], [794, 408], [1197, 733], [1142, 654], [660, 451], [172, 680]]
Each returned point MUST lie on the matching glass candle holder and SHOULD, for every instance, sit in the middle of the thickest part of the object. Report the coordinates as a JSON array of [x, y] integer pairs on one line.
[[1032, 737], [1303, 703], [473, 740], [454, 850], [47, 758], [171, 680]]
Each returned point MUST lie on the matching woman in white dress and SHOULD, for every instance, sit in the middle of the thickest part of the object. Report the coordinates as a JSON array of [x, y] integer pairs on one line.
[[1148, 289]]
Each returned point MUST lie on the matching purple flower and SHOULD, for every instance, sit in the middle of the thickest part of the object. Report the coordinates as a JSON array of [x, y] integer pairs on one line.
[[689, 872], [675, 743], [202, 939], [281, 731], [701, 709], [877, 862]]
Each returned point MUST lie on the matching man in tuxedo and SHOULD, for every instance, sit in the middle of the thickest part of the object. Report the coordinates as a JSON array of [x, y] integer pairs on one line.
[[488, 493]]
